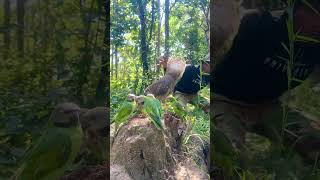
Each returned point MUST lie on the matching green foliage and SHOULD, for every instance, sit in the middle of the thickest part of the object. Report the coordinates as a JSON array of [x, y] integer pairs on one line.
[[22, 117], [187, 23]]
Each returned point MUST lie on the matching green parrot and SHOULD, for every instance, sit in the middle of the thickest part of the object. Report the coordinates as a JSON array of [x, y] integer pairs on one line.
[[56, 150], [152, 107], [125, 111]]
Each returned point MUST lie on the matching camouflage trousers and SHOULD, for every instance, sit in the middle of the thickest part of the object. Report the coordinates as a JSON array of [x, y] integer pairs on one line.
[[193, 99], [234, 119], [185, 98]]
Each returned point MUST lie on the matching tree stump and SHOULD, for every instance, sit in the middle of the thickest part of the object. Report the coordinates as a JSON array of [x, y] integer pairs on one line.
[[141, 151]]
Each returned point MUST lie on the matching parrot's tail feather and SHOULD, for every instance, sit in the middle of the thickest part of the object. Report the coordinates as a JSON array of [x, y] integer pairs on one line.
[[157, 123], [157, 126]]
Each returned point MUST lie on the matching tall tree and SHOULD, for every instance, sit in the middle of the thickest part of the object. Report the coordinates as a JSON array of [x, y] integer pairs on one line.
[[86, 59], [116, 59], [158, 37], [166, 24], [6, 25], [205, 10], [117, 39], [103, 91], [20, 30], [111, 63], [151, 30], [143, 39], [152, 23]]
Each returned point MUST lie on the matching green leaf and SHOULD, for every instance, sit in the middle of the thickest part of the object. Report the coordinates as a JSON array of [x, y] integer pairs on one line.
[[285, 47], [307, 39], [297, 80], [310, 6]]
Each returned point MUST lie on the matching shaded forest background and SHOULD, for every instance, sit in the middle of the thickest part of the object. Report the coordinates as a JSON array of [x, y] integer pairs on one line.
[[51, 51]]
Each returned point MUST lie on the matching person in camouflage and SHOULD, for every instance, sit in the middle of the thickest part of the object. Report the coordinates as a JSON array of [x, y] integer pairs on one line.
[[192, 81]]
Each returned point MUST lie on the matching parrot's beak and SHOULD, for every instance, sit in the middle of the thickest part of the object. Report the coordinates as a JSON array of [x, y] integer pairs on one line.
[[139, 100], [131, 97]]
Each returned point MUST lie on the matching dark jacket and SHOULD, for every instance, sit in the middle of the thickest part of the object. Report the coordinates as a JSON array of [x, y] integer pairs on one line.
[[190, 80], [255, 68]]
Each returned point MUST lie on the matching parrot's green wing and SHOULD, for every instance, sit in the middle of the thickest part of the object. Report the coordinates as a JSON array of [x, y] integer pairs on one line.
[[154, 110], [51, 153], [126, 109], [158, 104]]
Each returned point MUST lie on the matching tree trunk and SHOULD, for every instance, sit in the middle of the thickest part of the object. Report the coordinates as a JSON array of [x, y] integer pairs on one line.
[[150, 35], [20, 30], [116, 60], [136, 81], [86, 59], [103, 90], [6, 25], [60, 59], [158, 38], [143, 41], [205, 9], [111, 63], [152, 23], [166, 24], [35, 34], [44, 44]]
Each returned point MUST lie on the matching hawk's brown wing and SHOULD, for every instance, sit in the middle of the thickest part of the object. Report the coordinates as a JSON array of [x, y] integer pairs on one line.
[[161, 88]]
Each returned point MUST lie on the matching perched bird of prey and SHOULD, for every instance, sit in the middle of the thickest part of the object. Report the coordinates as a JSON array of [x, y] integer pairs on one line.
[[152, 108], [95, 125], [126, 110], [165, 85], [56, 150]]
